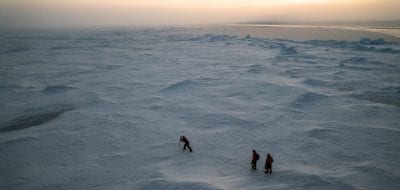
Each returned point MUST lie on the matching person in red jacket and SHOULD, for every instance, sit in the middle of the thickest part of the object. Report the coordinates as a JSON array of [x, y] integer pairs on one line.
[[268, 164], [186, 141], [254, 160]]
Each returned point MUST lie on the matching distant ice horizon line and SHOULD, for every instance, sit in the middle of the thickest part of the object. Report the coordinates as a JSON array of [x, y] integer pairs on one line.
[[314, 25], [248, 22], [346, 25]]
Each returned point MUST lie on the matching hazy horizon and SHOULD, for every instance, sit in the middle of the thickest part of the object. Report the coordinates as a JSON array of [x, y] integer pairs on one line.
[[75, 13]]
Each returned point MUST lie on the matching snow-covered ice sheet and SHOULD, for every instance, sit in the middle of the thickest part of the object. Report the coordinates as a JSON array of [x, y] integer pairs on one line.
[[104, 109]]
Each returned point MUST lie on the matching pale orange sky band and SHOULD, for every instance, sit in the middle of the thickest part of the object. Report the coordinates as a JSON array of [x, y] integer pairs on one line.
[[170, 12]]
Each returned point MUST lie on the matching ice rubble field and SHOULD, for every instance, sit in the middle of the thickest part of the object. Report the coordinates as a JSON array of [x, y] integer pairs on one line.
[[104, 109]]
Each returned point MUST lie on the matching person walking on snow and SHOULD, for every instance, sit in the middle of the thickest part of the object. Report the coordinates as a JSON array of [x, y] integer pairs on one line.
[[254, 160], [268, 164], [186, 141]]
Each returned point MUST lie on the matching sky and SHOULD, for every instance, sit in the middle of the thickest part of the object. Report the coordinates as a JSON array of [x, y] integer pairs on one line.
[[65, 13]]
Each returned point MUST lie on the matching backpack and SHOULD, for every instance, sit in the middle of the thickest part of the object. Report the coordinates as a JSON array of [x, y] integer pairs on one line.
[[257, 156]]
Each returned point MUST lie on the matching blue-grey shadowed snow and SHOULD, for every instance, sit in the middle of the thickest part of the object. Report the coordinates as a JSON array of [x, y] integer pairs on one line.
[[362, 45], [309, 181], [256, 68], [308, 99], [104, 109], [289, 50], [58, 89], [362, 63], [316, 82], [17, 49], [31, 120], [385, 96], [171, 185], [186, 85]]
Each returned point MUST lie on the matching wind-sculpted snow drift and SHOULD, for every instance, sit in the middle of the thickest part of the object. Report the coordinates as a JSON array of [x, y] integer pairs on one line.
[[103, 109]]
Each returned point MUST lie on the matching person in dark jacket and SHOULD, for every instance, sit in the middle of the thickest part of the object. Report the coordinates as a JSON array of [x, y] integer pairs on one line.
[[254, 160], [186, 141], [268, 164]]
